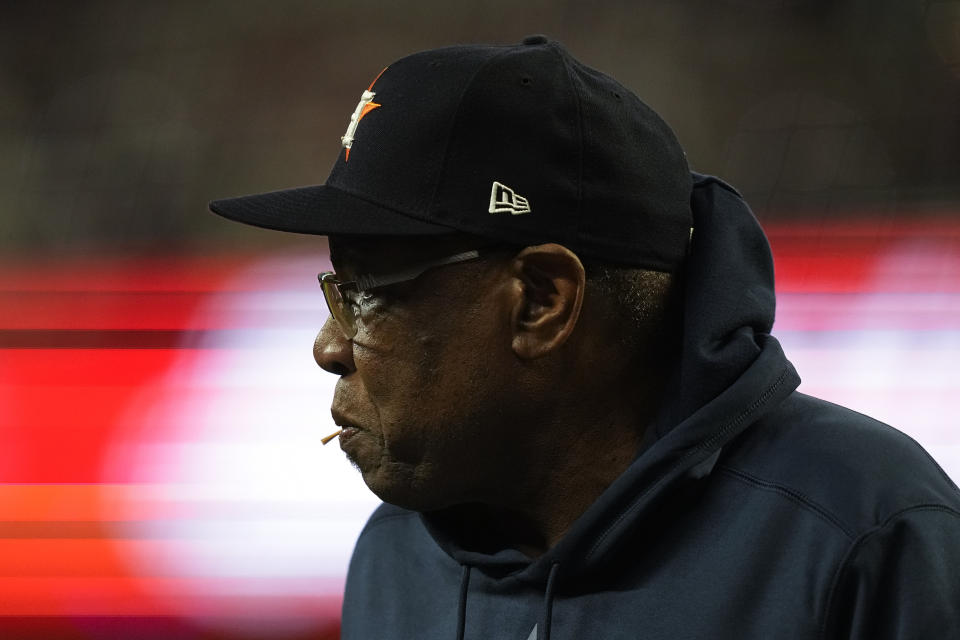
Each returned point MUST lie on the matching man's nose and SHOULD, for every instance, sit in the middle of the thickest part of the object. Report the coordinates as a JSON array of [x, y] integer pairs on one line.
[[332, 350]]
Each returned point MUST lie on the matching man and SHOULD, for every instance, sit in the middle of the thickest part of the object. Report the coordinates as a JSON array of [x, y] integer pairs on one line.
[[555, 367]]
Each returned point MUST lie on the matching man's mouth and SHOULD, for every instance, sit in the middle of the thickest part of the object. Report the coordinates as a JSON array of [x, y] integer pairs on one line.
[[346, 434], [348, 428]]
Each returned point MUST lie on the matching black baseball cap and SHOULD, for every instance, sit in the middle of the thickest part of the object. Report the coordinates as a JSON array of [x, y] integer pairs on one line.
[[521, 144]]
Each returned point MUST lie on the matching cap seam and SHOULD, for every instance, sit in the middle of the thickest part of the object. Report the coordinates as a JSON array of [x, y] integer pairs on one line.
[[573, 231], [441, 174]]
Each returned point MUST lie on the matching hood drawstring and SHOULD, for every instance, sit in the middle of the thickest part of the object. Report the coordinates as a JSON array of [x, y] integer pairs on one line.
[[548, 603], [544, 632], [462, 608]]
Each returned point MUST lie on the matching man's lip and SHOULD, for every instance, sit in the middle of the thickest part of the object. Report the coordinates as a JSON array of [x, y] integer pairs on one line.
[[349, 427], [346, 435], [343, 421]]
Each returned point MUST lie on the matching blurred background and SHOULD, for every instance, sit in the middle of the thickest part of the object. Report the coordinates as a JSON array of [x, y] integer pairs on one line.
[[160, 413]]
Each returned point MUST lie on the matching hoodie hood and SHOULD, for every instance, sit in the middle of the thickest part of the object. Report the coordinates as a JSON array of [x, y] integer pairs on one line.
[[730, 373], [752, 511]]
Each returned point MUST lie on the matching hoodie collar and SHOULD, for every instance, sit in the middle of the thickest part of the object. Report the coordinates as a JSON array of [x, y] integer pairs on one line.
[[730, 373]]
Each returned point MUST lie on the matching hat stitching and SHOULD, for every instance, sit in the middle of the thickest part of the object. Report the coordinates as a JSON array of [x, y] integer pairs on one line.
[[572, 232], [442, 172]]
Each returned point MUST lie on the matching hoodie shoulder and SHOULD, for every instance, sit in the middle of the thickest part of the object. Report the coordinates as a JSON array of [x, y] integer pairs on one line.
[[386, 513], [389, 530], [396, 574], [702, 180], [855, 470]]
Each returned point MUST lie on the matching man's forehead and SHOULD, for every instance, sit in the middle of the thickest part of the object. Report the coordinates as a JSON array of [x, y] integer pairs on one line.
[[385, 249], [347, 247], [371, 249]]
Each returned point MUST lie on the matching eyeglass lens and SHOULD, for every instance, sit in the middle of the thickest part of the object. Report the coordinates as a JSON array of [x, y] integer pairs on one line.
[[338, 307]]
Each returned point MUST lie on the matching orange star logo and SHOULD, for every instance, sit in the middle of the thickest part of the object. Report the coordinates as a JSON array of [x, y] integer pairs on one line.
[[365, 106]]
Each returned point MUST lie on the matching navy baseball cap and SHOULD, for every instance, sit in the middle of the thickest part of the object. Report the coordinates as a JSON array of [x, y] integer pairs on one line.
[[521, 144]]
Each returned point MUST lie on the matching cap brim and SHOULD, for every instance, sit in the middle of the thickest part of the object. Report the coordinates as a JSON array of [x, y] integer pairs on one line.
[[322, 210]]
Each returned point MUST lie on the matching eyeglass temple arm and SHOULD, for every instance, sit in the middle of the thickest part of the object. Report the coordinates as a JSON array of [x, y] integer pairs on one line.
[[371, 281]]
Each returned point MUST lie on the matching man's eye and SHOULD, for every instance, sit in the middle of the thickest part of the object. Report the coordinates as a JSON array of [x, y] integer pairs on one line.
[[359, 299]]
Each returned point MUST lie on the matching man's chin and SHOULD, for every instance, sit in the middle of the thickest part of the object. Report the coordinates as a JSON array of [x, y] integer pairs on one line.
[[353, 462], [406, 495]]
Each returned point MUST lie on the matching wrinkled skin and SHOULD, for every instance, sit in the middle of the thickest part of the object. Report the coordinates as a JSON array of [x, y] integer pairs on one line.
[[419, 383], [466, 386]]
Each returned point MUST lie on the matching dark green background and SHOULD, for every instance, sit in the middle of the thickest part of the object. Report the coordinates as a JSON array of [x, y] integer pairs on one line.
[[119, 120]]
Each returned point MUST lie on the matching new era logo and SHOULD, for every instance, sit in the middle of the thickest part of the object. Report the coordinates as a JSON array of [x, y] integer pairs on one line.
[[503, 199]]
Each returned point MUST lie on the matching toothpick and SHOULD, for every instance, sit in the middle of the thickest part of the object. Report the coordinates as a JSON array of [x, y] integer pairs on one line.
[[331, 436]]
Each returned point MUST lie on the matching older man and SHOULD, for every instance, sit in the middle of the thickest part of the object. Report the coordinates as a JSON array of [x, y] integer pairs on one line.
[[556, 369]]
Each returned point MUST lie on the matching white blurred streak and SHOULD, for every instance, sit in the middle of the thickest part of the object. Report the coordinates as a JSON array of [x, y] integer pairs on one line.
[[869, 312], [235, 493], [892, 351], [233, 487]]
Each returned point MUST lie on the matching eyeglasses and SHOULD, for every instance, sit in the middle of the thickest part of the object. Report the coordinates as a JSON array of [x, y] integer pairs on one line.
[[345, 313]]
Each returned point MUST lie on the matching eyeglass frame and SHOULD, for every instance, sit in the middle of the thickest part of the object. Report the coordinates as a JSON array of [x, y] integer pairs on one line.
[[332, 286]]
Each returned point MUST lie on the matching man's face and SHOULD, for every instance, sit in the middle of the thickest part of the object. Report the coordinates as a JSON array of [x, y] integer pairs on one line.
[[423, 385]]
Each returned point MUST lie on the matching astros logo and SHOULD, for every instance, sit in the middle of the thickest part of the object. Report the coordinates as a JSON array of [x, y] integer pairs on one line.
[[365, 106]]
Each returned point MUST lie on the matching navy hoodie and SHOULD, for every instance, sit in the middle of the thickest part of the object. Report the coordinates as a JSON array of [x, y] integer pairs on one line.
[[754, 512]]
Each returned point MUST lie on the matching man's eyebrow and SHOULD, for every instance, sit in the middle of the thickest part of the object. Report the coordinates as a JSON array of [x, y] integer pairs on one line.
[[342, 253], [348, 261]]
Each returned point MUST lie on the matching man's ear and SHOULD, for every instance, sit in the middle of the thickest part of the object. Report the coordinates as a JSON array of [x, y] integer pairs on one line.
[[547, 304]]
